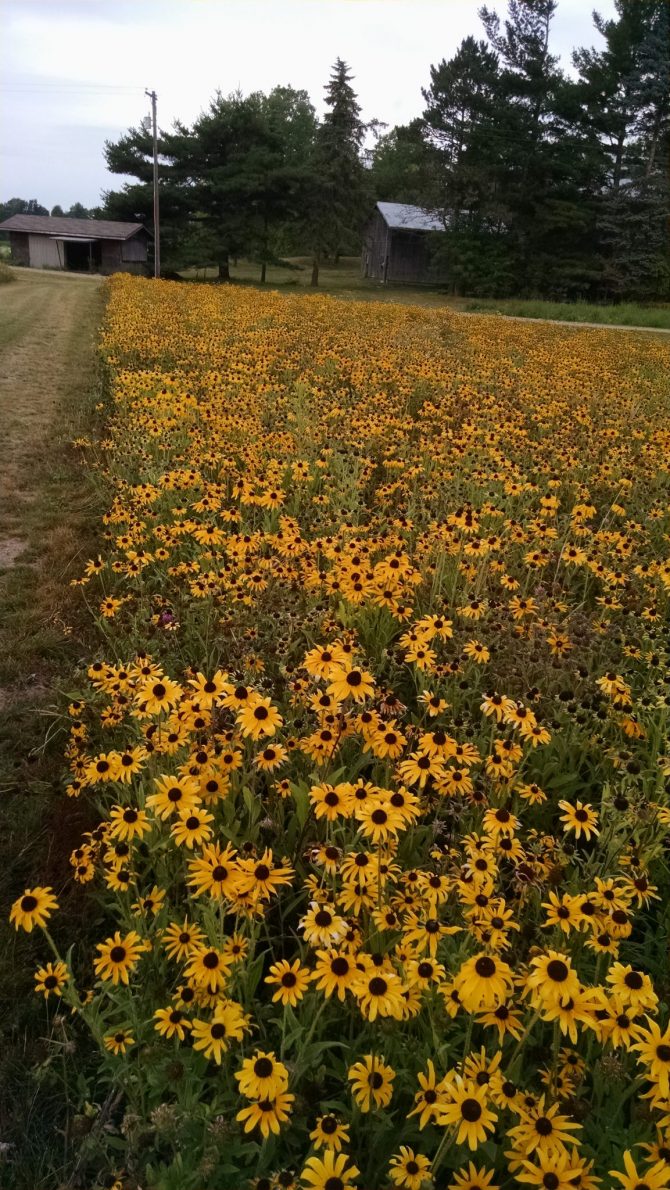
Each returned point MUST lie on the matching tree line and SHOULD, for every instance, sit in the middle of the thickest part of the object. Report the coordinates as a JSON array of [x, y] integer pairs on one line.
[[30, 206], [256, 176], [549, 183]]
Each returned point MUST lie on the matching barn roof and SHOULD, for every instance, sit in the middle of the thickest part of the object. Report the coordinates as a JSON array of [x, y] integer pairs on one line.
[[78, 229], [402, 216]]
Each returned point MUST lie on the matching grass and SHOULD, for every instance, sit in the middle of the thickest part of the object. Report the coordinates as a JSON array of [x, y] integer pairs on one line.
[[6, 274], [625, 314], [345, 281], [47, 395]]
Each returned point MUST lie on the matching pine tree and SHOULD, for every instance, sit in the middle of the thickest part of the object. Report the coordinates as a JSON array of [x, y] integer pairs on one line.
[[528, 133], [461, 124], [404, 166], [625, 91], [340, 189]]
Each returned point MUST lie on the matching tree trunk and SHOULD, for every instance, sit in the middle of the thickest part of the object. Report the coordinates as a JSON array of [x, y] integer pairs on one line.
[[651, 160], [263, 269], [618, 162], [337, 258], [315, 272], [224, 270]]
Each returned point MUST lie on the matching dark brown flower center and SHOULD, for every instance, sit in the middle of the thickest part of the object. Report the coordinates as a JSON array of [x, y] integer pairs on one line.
[[557, 970]]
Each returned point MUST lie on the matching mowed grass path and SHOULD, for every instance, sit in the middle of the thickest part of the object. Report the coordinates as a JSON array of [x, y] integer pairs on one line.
[[48, 391], [48, 327]]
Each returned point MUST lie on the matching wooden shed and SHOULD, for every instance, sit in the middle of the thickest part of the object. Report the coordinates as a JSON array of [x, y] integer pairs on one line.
[[77, 245], [395, 244]]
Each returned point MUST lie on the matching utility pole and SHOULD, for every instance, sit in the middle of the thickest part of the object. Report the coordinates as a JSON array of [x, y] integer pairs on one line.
[[157, 234]]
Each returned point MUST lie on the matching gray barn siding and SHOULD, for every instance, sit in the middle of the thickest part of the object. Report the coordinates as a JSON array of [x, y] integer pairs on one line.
[[110, 255], [376, 242], [18, 242], [45, 254], [398, 254], [134, 249]]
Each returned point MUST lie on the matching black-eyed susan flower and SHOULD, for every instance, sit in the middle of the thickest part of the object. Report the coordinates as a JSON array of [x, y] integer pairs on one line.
[[34, 908], [632, 987], [290, 979], [371, 1082], [267, 1114], [430, 1097], [580, 818], [262, 1076], [329, 1132], [483, 982], [378, 993], [208, 967], [214, 872], [473, 1177], [353, 683], [331, 1172], [192, 827], [178, 939], [51, 978], [118, 1042], [213, 1037], [408, 1170], [174, 795], [654, 1177], [118, 957], [335, 972], [467, 1111], [158, 694], [128, 822], [543, 1129], [258, 718], [552, 978], [262, 877], [322, 927], [171, 1022], [653, 1046]]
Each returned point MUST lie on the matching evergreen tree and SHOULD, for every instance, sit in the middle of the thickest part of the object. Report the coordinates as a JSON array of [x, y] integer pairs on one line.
[[625, 98], [132, 155], [529, 134], [339, 189], [462, 124], [403, 166], [21, 206], [78, 211], [57, 210], [229, 184]]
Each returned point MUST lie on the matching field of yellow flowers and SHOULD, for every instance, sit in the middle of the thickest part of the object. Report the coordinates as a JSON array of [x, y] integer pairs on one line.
[[374, 752]]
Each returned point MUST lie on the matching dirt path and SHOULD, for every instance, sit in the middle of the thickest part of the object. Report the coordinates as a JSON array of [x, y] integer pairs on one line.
[[47, 329]]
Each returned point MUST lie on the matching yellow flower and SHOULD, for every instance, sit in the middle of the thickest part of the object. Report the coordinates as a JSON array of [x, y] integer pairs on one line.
[[34, 908]]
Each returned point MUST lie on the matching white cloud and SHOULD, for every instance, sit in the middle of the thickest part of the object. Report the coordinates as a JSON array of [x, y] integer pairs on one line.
[[75, 70]]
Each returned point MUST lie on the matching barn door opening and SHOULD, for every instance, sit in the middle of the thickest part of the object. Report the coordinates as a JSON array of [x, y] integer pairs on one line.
[[77, 256]]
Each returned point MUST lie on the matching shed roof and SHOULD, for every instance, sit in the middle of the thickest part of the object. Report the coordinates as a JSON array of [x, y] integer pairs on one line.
[[78, 229], [402, 216]]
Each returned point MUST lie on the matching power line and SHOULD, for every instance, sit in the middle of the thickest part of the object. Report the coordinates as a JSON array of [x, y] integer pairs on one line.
[[101, 88]]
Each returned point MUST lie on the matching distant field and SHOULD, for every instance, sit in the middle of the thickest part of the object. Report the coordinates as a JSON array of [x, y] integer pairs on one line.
[[345, 280]]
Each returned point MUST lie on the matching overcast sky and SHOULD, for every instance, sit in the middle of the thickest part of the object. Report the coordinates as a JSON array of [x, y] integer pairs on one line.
[[73, 72]]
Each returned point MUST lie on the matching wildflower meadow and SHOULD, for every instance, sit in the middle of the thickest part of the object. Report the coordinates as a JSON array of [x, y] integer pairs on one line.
[[373, 755]]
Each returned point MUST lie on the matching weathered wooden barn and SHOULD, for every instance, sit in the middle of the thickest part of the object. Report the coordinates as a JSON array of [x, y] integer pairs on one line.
[[395, 244], [78, 245]]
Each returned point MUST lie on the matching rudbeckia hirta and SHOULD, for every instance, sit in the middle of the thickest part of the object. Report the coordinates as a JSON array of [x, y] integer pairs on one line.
[[330, 1172], [371, 1082], [118, 957], [34, 908]]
